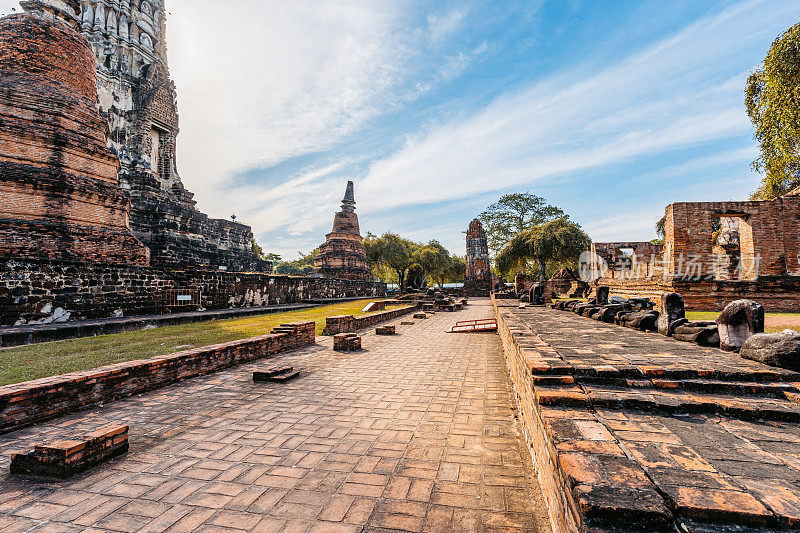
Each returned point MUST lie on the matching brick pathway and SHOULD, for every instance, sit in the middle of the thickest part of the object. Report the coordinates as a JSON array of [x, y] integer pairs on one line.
[[417, 432]]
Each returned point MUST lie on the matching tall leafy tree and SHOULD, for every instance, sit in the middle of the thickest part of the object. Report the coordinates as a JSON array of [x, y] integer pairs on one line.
[[298, 267], [515, 213], [432, 259], [772, 97], [391, 252], [556, 242], [456, 271]]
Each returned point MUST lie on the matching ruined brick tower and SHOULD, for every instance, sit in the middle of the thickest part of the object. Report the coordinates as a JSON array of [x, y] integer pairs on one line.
[[60, 197], [478, 280], [138, 100], [343, 254]]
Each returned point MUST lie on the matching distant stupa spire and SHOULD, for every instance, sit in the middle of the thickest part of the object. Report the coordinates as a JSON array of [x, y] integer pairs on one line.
[[349, 200]]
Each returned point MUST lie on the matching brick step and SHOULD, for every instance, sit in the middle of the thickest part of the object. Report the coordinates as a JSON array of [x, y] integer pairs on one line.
[[276, 375], [553, 366], [671, 402], [710, 386]]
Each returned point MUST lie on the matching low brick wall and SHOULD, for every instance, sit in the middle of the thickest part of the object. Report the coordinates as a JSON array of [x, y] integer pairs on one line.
[[564, 513], [90, 291], [35, 401], [350, 324], [775, 294]]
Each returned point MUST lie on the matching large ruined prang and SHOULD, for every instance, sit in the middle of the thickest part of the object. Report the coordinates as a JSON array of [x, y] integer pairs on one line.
[[60, 197], [478, 281], [127, 40]]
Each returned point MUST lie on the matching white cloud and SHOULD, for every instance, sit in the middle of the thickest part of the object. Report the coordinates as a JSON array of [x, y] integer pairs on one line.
[[263, 81], [675, 93]]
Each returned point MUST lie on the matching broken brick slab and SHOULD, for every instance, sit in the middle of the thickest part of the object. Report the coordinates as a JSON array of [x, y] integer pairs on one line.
[[276, 375], [634, 431], [386, 330], [346, 342], [65, 458]]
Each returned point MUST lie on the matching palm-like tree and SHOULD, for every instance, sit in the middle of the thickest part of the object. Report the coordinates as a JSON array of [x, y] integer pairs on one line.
[[557, 241]]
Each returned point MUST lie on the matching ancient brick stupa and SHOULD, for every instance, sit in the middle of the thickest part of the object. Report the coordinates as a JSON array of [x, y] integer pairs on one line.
[[343, 255], [478, 280], [60, 197]]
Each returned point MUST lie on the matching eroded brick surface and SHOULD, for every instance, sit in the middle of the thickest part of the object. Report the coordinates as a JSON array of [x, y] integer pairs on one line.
[[633, 428], [416, 432]]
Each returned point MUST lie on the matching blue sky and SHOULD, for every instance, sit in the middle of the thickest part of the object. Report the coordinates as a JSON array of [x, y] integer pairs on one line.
[[609, 109]]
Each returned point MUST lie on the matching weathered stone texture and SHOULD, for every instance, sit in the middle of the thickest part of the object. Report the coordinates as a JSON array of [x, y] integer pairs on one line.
[[138, 101], [343, 255], [64, 458], [478, 281], [97, 290], [59, 193]]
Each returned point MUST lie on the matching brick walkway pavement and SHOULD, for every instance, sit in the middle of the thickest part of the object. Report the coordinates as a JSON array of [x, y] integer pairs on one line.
[[417, 432]]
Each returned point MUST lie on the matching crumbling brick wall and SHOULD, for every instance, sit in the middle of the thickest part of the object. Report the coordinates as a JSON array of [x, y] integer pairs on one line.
[[768, 231], [97, 290]]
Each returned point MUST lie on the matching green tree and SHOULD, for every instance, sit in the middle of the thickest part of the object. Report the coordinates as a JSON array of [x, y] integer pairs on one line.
[[299, 267], [515, 213], [772, 98], [455, 272], [390, 252], [373, 245], [556, 242], [431, 259]]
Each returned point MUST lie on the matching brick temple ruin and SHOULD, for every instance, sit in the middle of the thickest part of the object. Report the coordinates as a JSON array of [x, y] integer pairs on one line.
[[478, 281], [60, 197], [343, 255], [139, 102], [714, 253], [68, 221]]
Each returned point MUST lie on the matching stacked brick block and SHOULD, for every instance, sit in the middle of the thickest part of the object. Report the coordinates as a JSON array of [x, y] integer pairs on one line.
[[27, 403], [64, 458], [346, 342], [59, 192]]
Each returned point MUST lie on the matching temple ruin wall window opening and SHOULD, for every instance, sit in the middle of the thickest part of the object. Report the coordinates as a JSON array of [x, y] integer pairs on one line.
[[155, 148]]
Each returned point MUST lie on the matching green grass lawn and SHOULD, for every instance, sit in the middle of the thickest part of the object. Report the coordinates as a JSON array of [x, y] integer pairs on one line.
[[774, 322], [35, 361]]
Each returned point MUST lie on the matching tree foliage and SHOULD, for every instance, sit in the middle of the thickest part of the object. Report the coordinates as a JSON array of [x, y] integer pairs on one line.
[[299, 267], [515, 213], [393, 253], [555, 243], [408, 263], [772, 97]]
